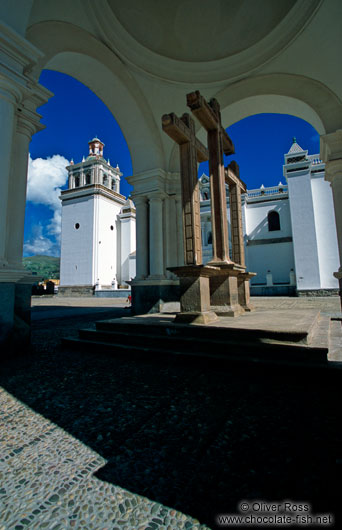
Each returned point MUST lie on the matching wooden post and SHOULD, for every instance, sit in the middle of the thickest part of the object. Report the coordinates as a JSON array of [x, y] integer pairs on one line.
[[236, 186], [191, 151], [218, 143]]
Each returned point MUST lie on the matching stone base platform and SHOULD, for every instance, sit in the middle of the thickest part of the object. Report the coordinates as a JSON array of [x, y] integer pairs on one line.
[[279, 337]]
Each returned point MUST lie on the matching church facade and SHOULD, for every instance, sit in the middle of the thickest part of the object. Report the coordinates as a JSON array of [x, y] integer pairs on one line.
[[98, 227], [289, 230]]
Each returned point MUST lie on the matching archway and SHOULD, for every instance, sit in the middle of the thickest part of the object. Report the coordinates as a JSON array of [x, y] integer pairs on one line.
[[72, 117], [80, 55]]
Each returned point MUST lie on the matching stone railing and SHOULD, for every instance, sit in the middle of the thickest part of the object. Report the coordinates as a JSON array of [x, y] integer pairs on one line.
[[262, 191]]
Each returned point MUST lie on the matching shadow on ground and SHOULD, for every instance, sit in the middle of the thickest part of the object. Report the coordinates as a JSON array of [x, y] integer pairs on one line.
[[189, 436]]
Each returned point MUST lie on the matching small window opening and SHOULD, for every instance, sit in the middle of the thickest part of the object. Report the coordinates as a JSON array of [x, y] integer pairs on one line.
[[273, 221]]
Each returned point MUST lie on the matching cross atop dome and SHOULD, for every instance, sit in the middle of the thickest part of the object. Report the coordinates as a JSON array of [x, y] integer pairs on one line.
[[96, 147]]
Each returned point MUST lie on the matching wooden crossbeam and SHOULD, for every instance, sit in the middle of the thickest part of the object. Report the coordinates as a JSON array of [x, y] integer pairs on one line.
[[209, 115], [177, 129], [232, 176]]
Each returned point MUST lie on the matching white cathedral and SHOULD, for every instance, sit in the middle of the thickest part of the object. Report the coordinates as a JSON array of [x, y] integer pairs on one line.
[[98, 227], [289, 229]]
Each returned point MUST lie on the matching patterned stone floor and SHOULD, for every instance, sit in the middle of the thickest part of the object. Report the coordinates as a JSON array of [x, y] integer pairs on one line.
[[46, 481]]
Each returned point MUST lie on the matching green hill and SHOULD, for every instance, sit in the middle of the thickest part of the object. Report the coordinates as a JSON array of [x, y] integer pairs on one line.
[[44, 266]]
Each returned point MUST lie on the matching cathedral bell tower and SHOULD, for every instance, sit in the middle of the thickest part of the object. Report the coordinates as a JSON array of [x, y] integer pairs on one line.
[[91, 208]]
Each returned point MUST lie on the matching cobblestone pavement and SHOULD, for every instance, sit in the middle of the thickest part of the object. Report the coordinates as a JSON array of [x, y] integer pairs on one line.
[[46, 479], [182, 436]]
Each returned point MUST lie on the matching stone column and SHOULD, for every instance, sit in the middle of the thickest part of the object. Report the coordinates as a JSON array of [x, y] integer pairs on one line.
[[70, 181], [141, 206], [17, 191], [93, 173], [171, 234], [8, 99], [331, 154], [156, 236]]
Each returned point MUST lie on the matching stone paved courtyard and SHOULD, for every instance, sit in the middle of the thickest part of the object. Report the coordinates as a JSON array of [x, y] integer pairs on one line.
[[183, 436]]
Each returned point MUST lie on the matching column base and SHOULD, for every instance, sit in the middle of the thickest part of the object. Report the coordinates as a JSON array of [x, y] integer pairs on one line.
[[224, 296], [193, 317], [149, 295], [194, 294], [244, 290], [228, 310], [15, 318]]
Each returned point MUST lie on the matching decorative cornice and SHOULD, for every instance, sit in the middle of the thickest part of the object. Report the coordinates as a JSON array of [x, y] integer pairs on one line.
[[91, 190]]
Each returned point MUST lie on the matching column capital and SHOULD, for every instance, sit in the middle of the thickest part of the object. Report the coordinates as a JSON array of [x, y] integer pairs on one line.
[[331, 154], [139, 199], [10, 91], [156, 196], [331, 146], [28, 123], [333, 169]]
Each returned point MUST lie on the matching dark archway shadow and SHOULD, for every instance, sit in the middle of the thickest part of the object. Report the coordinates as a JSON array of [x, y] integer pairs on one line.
[[187, 435]]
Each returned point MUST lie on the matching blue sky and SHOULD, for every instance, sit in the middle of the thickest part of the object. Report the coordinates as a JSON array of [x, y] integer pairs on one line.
[[75, 115]]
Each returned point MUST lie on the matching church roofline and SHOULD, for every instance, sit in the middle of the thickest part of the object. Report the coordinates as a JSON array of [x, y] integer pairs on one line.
[[92, 189]]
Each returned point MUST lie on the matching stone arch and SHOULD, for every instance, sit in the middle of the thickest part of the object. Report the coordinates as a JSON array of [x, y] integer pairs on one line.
[[297, 95], [73, 51]]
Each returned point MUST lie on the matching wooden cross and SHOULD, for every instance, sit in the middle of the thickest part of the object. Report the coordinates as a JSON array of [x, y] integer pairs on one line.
[[218, 143], [236, 187], [182, 131]]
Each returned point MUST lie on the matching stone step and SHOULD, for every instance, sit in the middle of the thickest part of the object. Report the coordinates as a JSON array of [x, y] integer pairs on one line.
[[335, 340], [237, 349], [167, 328]]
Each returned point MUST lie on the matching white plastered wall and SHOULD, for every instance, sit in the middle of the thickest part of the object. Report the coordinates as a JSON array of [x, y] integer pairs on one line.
[[77, 244], [274, 256], [105, 240], [326, 236]]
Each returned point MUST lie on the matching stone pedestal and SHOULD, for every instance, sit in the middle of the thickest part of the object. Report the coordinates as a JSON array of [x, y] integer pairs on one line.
[[244, 290], [338, 276], [224, 292], [195, 294], [15, 310]]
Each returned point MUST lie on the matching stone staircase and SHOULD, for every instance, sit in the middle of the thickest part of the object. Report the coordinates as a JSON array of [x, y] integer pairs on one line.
[[156, 336]]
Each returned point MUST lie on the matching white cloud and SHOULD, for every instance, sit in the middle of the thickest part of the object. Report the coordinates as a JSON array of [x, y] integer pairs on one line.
[[45, 178], [39, 244]]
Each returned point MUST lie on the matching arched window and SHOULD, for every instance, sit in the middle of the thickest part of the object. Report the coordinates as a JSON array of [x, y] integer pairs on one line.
[[77, 182], [105, 179], [273, 221], [113, 184], [88, 179], [210, 238], [205, 195]]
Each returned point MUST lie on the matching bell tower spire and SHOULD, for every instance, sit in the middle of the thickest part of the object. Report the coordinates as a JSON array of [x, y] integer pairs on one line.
[[96, 147]]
